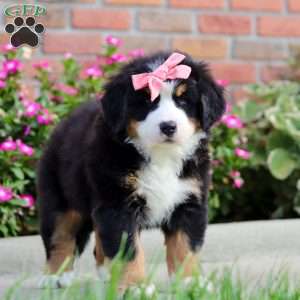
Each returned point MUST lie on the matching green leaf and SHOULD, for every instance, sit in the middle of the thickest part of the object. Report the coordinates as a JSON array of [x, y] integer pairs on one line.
[[18, 173], [278, 139], [281, 164], [251, 110], [17, 202]]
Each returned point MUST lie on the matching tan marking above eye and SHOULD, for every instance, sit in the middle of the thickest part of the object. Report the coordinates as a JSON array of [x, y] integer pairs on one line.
[[131, 180], [180, 89]]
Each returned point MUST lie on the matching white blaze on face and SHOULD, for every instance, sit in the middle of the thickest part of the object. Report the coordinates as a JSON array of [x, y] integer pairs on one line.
[[149, 133], [158, 180]]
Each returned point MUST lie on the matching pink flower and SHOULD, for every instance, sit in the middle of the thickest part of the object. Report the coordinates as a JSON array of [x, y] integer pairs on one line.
[[235, 174], [222, 82], [116, 58], [27, 130], [42, 65], [5, 194], [8, 145], [113, 41], [136, 53], [45, 118], [232, 121], [12, 66], [25, 149], [3, 74], [2, 84], [31, 108], [94, 72], [228, 108], [68, 55], [238, 183], [216, 162], [7, 48], [69, 90], [29, 200], [242, 153], [25, 101]]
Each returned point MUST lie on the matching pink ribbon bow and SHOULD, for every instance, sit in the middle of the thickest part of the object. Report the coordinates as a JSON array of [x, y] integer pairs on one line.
[[170, 69]]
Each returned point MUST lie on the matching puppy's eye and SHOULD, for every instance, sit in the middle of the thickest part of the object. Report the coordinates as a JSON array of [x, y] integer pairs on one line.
[[181, 102]]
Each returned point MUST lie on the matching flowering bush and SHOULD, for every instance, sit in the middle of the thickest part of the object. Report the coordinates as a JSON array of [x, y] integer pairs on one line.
[[26, 123], [229, 158]]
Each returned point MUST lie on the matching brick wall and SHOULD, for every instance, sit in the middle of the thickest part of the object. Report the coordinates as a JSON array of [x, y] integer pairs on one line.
[[244, 40]]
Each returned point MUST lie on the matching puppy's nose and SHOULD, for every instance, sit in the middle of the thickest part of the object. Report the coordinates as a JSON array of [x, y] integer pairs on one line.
[[168, 128]]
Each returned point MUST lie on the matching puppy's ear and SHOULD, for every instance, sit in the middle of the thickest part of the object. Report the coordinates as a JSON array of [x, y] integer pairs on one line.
[[114, 104], [211, 97]]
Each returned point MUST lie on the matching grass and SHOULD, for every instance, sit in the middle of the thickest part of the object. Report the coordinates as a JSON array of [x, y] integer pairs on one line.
[[221, 285], [217, 286]]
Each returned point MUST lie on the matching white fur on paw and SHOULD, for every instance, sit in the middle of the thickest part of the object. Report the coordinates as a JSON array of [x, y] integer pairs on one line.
[[147, 290], [48, 281], [57, 281], [200, 281], [150, 289], [66, 279], [103, 273]]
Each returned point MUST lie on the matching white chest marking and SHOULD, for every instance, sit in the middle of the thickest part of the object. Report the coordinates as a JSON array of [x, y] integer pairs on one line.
[[160, 184]]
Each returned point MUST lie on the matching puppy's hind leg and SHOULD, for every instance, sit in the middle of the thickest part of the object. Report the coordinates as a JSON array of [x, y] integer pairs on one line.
[[101, 263], [60, 244]]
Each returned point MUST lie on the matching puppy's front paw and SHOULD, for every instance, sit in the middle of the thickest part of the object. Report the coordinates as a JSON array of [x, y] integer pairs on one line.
[[57, 281], [199, 282], [143, 291], [103, 273]]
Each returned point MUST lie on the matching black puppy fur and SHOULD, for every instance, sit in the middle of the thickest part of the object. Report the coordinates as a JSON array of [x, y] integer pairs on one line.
[[87, 160]]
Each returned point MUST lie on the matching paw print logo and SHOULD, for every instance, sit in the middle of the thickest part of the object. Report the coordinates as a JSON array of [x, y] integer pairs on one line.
[[24, 33]]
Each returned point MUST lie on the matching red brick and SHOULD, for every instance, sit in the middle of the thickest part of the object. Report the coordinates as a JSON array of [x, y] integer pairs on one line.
[[197, 3], [278, 26], [224, 24], [269, 73], [55, 17], [238, 93], [234, 72], [149, 44], [100, 18], [201, 48], [294, 5], [4, 38], [257, 5], [168, 22], [259, 50], [77, 43], [134, 2]]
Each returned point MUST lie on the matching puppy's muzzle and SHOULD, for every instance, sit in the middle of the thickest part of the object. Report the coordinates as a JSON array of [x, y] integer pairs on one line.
[[168, 128]]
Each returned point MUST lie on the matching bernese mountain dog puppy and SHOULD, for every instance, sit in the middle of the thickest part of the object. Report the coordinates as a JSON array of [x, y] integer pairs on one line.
[[136, 159]]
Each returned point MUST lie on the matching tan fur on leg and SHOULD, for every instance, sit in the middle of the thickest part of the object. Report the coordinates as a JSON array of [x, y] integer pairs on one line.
[[179, 254], [99, 254], [63, 242], [134, 270]]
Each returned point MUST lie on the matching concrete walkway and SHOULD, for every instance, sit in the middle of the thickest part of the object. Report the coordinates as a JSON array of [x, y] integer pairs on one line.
[[251, 248]]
